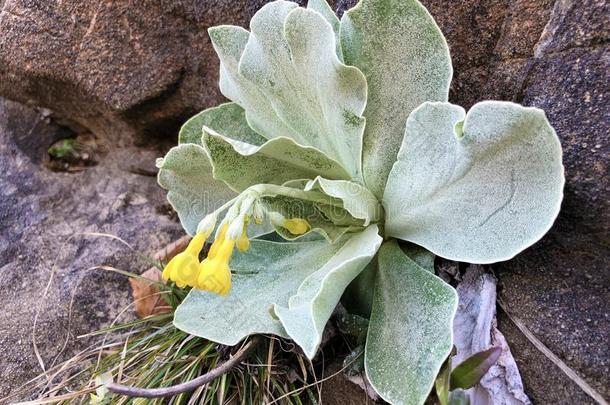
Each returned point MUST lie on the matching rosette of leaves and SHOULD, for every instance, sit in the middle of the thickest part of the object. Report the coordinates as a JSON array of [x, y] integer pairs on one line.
[[346, 122]]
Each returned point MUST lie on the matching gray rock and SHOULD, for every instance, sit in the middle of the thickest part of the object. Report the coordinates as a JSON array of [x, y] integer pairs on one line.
[[44, 216], [112, 67]]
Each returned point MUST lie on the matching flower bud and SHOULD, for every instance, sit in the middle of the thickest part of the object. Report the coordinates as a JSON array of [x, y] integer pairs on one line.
[[236, 228], [207, 224], [276, 218]]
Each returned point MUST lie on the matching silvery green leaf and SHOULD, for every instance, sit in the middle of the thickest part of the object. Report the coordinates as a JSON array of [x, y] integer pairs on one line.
[[227, 118], [229, 42], [404, 56], [290, 56], [424, 258], [306, 313], [358, 297], [410, 331], [322, 7], [241, 165], [192, 191], [477, 187], [268, 273], [357, 200]]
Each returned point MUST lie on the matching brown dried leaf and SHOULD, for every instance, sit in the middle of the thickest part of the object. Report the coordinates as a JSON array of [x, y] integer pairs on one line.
[[147, 299]]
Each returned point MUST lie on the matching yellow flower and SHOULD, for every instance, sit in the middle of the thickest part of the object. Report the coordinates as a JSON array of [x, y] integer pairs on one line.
[[218, 241], [243, 243], [214, 272], [184, 267], [296, 226]]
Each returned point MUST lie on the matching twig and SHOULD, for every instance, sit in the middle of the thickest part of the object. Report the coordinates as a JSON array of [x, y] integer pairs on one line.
[[189, 385], [567, 370]]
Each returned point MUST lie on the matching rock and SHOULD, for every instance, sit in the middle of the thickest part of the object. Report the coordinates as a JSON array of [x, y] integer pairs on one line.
[[475, 330], [553, 55], [113, 67], [560, 287], [47, 262]]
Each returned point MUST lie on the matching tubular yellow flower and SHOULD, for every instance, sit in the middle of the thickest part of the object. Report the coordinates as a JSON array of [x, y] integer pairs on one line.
[[185, 271], [243, 243], [296, 226], [214, 272], [218, 241], [183, 268]]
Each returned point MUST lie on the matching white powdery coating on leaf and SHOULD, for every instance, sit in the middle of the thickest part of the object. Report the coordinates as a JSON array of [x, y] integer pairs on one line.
[[406, 61], [310, 308], [229, 43], [410, 332], [228, 119], [322, 7], [267, 274], [290, 56], [241, 165], [357, 200], [192, 191], [481, 194]]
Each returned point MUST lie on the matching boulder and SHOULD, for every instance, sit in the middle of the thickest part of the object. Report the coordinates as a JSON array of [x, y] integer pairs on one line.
[[49, 256], [119, 69]]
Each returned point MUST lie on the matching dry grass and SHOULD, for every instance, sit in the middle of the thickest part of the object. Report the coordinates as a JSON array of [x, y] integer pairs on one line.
[[151, 353]]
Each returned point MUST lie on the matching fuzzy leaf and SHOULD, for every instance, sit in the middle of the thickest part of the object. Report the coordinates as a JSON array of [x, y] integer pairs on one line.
[[424, 258], [192, 191], [229, 42], [228, 119], [241, 165], [410, 332], [310, 308], [290, 56], [468, 373], [476, 188], [268, 274], [357, 200], [404, 56], [358, 297], [322, 7]]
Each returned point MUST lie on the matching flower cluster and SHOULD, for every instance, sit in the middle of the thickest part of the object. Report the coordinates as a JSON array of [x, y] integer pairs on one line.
[[213, 273]]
